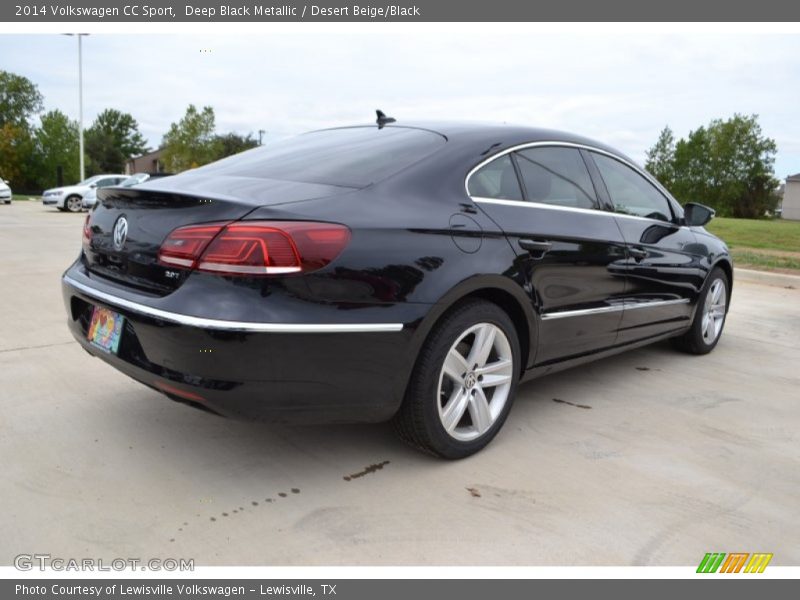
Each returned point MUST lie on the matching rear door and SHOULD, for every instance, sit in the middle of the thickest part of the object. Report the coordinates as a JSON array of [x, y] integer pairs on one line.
[[543, 198], [662, 267]]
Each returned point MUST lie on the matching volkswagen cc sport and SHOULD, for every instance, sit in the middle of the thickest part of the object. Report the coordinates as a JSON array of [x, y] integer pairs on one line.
[[408, 272]]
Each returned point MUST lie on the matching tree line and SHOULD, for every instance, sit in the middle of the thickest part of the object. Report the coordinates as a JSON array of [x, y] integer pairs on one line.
[[35, 144], [727, 164]]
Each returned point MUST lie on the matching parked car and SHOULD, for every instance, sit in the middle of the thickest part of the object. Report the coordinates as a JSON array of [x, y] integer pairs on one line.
[[90, 197], [413, 273], [70, 197], [5, 192]]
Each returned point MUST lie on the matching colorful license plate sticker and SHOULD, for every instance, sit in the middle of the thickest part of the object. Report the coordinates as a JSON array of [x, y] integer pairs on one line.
[[105, 329]]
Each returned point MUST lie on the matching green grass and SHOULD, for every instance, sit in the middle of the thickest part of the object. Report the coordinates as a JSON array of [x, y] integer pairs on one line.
[[22, 197], [768, 234], [764, 262]]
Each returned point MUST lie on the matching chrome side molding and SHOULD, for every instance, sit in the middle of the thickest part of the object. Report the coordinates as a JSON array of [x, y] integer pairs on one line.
[[610, 309]]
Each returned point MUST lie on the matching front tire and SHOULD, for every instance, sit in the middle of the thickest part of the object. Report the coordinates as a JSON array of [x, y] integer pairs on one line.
[[463, 384], [73, 204], [709, 318]]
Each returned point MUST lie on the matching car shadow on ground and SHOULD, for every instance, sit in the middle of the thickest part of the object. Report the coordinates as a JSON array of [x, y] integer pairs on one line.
[[209, 438]]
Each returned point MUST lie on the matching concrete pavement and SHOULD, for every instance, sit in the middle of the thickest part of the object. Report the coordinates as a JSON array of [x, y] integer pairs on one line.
[[649, 458]]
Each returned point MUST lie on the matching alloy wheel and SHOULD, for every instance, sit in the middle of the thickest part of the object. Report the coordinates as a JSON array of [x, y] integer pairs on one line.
[[74, 204], [714, 311], [475, 381]]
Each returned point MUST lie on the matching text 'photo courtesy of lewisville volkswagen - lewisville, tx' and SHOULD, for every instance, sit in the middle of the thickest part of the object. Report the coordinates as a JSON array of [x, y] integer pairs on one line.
[[384, 301]]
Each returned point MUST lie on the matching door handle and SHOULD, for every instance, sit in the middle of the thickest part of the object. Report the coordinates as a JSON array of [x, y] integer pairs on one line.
[[637, 253], [535, 246]]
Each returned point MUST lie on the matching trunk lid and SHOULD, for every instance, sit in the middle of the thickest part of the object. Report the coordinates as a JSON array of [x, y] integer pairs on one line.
[[145, 215]]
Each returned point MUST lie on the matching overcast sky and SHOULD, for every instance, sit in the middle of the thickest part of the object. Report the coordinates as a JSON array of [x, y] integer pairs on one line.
[[621, 89]]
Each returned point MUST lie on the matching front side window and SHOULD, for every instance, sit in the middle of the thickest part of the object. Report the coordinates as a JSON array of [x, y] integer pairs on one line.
[[631, 193], [556, 175], [108, 181], [498, 180]]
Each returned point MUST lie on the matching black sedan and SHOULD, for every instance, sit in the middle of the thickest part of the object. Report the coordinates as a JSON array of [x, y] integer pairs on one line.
[[416, 273]]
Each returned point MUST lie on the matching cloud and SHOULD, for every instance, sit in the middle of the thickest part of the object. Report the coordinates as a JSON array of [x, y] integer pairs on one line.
[[619, 88]]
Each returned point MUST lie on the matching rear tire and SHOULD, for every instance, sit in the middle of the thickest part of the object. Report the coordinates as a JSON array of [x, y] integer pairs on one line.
[[709, 317], [463, 384]]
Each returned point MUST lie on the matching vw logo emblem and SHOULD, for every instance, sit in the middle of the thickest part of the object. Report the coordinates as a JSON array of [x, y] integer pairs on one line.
[[120, 233]]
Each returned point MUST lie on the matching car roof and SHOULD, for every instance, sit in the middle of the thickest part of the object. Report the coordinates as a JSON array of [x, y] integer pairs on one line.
[[495, 137]]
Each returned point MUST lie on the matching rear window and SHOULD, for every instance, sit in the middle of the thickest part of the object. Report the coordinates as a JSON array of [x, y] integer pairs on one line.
[[352, 157]]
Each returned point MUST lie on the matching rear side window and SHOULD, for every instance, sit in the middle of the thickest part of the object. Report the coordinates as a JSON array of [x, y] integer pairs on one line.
[[498, 179], [631, 193], [558, 176], [351, 157]]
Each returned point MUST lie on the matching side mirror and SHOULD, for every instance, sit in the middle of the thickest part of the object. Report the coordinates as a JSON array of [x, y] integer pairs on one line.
[[697, 215], [94, 185]]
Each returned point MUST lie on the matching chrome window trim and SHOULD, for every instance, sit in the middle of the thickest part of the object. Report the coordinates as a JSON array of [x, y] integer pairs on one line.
[[525, 204], [610, 309], [223, 325]]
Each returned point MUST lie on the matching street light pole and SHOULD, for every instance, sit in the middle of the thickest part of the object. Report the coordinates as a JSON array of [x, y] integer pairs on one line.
[[80, 102]]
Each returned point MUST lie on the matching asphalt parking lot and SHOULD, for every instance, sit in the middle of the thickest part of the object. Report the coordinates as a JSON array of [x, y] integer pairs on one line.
[[648, 458]]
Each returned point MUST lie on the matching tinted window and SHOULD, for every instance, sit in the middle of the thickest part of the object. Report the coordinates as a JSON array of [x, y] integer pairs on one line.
[[352, 157], [106, 182], [631, 193], [498, 179], [556, 176]]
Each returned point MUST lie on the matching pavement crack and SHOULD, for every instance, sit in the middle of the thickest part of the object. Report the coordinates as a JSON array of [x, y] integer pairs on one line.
[[560, 401], [37, 347], [366, 471]]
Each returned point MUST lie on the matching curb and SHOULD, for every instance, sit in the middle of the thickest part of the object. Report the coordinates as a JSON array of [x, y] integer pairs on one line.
[[766, 278]]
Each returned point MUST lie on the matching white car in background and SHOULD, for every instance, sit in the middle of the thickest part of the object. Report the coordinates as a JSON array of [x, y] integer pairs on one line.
[[70, 197], [5, 192], [90, 198]]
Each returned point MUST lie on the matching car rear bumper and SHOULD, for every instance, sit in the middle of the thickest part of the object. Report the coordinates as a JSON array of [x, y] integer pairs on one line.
[[283, 372]]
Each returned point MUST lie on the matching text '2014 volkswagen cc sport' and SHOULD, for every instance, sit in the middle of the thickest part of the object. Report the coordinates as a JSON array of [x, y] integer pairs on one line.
[[408, 272]]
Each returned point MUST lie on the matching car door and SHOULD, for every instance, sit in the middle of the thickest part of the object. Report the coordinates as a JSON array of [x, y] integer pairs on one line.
[[662, 267], [543, 198]]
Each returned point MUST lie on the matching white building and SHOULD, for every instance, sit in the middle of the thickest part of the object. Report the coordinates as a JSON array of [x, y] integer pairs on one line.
[[791, 198]]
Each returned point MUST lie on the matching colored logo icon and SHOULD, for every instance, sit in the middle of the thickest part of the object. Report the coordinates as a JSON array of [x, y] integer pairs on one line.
[[736, 562]]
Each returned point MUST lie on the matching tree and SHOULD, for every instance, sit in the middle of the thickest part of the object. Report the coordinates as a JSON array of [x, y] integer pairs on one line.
[[233, 143], [19, 99], [113, 138], [57, 146], [16, 156], [191, 142], [727, 164], [661, 158]]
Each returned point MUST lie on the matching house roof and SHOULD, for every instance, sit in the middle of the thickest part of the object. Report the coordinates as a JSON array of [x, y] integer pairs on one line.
[[795, 177], [155, 152]]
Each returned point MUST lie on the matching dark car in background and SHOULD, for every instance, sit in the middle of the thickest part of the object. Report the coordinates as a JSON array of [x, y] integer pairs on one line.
[[408, 272]]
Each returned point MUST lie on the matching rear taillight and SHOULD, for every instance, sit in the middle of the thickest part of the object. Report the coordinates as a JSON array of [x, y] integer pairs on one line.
[[184, 246], [255, 247]]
